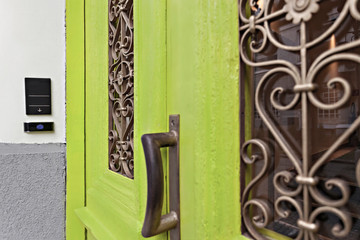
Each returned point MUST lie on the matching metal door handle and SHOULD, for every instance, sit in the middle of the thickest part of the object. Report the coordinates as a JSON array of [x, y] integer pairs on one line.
[[154, 223]]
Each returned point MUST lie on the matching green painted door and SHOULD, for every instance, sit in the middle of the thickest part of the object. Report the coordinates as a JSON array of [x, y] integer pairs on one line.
[[115, 204], [186, 62], [203, 87]]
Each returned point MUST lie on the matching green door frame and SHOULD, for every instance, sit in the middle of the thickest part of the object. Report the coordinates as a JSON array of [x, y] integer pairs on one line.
[[180, 47], [75, 112]]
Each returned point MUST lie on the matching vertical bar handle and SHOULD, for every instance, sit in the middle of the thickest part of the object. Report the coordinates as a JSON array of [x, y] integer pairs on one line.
[[154, 223]]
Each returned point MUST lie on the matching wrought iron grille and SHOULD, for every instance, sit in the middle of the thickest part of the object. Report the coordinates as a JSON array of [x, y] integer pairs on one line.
[[121, 87], [300, 73]]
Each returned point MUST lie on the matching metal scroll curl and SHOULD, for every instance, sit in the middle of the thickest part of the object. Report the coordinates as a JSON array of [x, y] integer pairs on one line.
[[339, 230], [285, 213], [304, 175], [264, 216], [121, 87], [281, 182]]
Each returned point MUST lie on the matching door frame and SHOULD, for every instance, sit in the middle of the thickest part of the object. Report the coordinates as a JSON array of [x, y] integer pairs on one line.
[[75, 115]]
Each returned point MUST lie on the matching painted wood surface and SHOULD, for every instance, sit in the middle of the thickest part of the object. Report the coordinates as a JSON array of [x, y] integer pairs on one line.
[[75, 66], [115, 204], [203, 87]]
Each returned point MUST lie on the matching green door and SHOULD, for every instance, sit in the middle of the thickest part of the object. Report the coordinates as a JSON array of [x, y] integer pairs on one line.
[[186, 62], [115, 196]]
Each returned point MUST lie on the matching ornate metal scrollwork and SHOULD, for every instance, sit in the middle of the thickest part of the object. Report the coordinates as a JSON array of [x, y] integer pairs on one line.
[[299, 188], [121, 87]]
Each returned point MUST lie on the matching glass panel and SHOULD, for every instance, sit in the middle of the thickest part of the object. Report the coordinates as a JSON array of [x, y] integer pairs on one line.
[[121, 87], [300, 68]]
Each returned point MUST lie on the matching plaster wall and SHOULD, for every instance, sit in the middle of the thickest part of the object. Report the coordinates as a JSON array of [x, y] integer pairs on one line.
[[32, 200], [32, 44], [32, 165]]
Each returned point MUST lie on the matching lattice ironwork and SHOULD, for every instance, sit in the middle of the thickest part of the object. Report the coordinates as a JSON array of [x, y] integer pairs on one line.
[[304, 162], [121, 87]]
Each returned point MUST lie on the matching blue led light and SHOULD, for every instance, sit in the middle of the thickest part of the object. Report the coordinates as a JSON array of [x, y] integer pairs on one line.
[[39, 127]]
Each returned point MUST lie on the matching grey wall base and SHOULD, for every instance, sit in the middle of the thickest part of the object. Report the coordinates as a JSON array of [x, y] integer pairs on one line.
[[32, 191]]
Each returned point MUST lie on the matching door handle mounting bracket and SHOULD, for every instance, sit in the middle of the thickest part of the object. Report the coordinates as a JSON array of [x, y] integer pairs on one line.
[[154, 223]]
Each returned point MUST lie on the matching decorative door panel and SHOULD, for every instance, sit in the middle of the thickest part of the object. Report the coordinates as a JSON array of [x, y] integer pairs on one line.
[[300, 71], [121, 87], [117, 113]]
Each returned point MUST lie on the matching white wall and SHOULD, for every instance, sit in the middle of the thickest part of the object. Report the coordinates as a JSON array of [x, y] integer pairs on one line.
[[32, 44]]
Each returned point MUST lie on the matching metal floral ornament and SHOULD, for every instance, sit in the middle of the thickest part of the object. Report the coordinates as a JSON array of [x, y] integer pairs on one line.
[[298, 10], [121, 87]]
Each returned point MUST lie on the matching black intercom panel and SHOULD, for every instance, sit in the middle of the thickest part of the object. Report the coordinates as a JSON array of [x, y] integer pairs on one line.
[[38, 96], [38, 126]]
